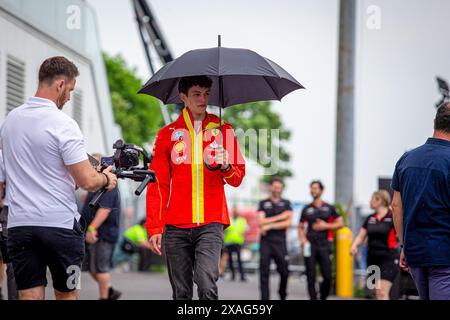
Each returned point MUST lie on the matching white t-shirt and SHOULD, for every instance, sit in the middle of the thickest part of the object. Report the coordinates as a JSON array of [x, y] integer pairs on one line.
[[38, 142]]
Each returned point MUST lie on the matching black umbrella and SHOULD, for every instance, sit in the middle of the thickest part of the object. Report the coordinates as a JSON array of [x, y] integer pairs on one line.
[[238, 75]]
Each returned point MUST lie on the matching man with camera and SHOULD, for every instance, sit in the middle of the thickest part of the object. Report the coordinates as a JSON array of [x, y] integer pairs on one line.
[[45, 160], [188, 202]]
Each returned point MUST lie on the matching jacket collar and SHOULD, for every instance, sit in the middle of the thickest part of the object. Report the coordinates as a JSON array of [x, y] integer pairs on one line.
[[438, 142], [187, 118]]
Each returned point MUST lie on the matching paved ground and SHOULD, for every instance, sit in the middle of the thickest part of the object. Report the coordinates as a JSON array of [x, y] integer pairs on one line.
[[156, 286]]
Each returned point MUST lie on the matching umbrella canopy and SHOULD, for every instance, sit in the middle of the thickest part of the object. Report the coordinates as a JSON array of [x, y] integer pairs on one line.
[[238, 75]]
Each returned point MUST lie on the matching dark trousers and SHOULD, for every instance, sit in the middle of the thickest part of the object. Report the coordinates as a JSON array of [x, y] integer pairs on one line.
[[320, 254], [433, 283], [193, 256], [273, 249], [237, 249]]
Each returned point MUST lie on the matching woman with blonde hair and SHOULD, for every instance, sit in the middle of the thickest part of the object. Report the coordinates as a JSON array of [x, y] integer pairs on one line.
[[382, 242]]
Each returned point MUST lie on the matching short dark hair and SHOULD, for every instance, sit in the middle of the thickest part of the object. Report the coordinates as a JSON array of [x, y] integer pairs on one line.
[[55, 67], [188, 82], [442, 119], [276, 179], [318, 182]]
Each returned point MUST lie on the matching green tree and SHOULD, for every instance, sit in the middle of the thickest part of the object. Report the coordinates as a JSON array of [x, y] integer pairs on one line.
[[138, 115], [258, 115]]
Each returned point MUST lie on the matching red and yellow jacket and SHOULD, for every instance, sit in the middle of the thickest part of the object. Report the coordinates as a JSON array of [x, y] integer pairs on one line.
[[186, 193]]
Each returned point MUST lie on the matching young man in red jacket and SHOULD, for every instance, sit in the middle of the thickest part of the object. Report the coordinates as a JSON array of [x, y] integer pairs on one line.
[[187, 203]]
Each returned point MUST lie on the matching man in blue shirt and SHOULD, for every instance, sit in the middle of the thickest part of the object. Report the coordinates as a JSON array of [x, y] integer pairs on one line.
[[421, 204], [101, 237]]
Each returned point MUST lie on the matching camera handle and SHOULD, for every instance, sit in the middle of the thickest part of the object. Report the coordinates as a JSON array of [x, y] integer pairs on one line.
[[143, 185], [98, 195]]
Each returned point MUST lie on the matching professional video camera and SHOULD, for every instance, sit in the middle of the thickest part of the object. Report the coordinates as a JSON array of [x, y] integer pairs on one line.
[[125, 162]]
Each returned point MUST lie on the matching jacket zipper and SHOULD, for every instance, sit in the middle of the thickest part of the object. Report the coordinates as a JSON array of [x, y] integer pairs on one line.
[[198, 181]]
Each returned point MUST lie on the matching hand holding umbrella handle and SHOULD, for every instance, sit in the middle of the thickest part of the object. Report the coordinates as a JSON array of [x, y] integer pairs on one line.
[[215, 168], [221, 154], [218, 166], [209, 166]]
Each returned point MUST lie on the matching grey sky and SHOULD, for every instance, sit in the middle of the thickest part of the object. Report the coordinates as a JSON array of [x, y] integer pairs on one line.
[[395, 70]]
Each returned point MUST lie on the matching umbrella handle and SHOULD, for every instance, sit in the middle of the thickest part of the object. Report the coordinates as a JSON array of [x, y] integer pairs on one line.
[[209, 166], [217, 167]]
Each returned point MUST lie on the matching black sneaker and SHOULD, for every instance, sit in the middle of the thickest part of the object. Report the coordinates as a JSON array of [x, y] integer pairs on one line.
[[113, 294]]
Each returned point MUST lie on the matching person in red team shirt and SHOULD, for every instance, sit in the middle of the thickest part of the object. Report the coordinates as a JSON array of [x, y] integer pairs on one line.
[[187, 203]]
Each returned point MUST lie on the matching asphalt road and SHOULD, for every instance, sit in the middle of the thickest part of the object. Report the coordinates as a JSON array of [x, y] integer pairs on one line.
[[156, 286]]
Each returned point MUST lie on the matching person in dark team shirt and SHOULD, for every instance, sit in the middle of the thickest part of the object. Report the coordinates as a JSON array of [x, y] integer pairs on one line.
[[382, 242], [319, 219], [274, 217]]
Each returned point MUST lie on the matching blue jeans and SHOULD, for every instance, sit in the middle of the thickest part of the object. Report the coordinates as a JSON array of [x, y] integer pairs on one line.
[[193, 255], [433, 283]]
